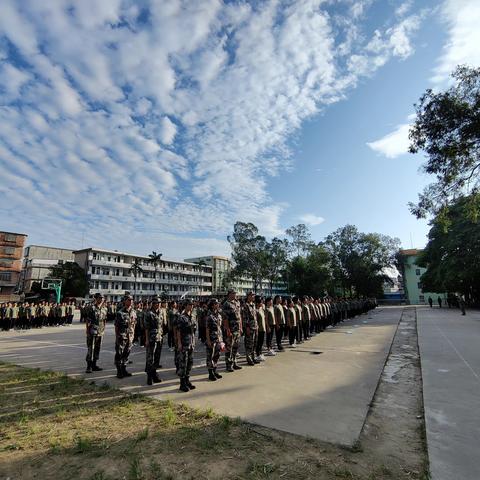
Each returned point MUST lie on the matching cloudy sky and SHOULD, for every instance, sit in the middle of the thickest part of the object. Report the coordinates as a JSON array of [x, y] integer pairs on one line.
[[155, 125]]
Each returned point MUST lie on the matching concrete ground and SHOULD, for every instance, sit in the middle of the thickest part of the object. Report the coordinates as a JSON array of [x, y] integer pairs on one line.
[[450, 355], [322, 389]]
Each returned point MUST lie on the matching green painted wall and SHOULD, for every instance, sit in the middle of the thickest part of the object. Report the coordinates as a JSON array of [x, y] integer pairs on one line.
[[415, 295]]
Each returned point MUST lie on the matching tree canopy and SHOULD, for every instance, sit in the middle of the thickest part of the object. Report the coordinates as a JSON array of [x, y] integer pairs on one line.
[[75, 283], [359, 260], [447, 129], [452, 257]]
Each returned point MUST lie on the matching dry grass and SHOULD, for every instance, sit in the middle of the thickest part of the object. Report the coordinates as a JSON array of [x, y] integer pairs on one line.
[[52, 426]]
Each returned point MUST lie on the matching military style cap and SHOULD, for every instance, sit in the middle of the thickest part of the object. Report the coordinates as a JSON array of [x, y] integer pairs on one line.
[[155, 299], [250, 293], [188, 301], [231, 290], [212, 301], [98, 295], [126, 297]]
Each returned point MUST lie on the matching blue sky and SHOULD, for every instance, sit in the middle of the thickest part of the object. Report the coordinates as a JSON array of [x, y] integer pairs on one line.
[[155, 125]]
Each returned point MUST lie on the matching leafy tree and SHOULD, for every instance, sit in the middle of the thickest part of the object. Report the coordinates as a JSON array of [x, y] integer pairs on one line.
[[75, 283], [300, 239], [452, 257], [275, 260], [136, 269], [447, 129], [359, 259], [312, 274], [248, 253], [155, 259]]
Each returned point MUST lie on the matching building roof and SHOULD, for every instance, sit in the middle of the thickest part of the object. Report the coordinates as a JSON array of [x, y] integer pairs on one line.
[[146, 257], [411, 251], [15, 233], [53, 248]]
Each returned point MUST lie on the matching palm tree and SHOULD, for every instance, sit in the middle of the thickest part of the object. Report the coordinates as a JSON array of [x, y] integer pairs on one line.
[[155, 260], [136, 269]]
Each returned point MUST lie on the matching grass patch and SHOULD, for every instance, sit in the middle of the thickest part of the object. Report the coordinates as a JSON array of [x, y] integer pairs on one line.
[[56, 427]]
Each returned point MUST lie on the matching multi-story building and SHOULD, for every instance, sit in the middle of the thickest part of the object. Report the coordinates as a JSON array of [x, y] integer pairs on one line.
[[411, 280], [37, 262], [110, 272], [221, 267], [11, 250]]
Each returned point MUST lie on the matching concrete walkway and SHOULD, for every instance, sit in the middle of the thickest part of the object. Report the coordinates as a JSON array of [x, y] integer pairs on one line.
[[321, 389], [450, 355]]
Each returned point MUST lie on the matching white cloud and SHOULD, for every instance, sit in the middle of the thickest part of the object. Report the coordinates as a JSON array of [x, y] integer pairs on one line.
[[394, 144], [168, 130], [311, 219], [462, 18], [170, 119]]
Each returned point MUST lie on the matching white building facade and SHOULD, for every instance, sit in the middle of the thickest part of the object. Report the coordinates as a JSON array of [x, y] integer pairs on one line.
[[110, 272]]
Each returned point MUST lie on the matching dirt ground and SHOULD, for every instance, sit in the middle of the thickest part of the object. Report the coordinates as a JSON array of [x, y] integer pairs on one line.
[[55, 427]]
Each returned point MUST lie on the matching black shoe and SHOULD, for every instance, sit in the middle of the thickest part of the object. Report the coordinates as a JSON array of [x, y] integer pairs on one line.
[[96, 368], [130, 362], [156, 378], [125, 373], [216, 374], [89, 368], [249, 362], [149, 380], [183, 385], [229, 368], [120, 372], [190, 384], [211, 376], [237, 367], [255, 361]]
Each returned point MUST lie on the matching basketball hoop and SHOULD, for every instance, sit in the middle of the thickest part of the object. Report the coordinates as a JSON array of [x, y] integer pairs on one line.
[[53, 284]]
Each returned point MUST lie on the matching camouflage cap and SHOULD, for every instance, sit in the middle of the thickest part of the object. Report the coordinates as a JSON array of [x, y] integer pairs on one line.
[[155, 299], [98, 295], [126, 297], [231, 290]]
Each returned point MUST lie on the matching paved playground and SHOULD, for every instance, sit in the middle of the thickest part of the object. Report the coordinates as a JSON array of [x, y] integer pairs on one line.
[[321, 389]]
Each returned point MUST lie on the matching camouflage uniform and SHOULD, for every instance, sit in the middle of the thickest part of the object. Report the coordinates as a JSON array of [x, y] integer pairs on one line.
[[186, 329], [95, 318], [214, 338], [153, 324], [251, 331], [231, 313], [125, 321]]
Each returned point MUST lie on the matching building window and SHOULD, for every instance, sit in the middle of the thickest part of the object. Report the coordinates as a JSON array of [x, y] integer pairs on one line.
[[422, 298], [9, 250], [5, 262], [419, 285], [5, 276], [10, 238], [417, 271]]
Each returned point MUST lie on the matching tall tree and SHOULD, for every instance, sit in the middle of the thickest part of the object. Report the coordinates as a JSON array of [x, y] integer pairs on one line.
[[452, 256], [248, 252], [136, 269], [155, 259], [447, 129], [359, 260], [74, 279], [275, 258], [312, 274], [300, 239]]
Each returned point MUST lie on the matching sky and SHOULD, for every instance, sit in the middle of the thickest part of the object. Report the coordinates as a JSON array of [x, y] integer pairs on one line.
[[156, 125]]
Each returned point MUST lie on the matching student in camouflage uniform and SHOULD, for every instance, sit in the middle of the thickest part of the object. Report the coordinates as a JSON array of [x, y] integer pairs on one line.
[[292, 323], [185, 337], [95, 318], [250, 326], [279, 321], [261, 328], [232, 324], [125, 321], [213, 338], [270, 324], [153, 324]]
